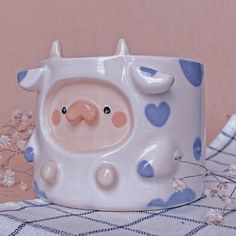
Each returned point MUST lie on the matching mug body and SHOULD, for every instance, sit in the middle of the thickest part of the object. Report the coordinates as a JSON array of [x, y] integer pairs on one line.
[[119, 133]]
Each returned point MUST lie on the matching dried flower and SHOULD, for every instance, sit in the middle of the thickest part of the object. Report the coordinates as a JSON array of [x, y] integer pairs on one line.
[[15, 134], [30, 114], [16, 114], [222, 191], [30, 131], [178, 184], [8, 178], [209, 192], [23, 186], [214, 217], [21, 144], [221, 188], [5, 141], [232, 169], [24, 119], [9, 173], [177, 155]]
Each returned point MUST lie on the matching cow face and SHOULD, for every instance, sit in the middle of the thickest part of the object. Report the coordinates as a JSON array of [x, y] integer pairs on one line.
[[88, 115]]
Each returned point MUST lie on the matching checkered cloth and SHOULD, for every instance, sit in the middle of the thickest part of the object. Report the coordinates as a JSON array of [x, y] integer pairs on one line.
[[37, 217]]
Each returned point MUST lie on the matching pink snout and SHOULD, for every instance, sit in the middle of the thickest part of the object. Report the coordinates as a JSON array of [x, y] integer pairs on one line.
[[83, 110]]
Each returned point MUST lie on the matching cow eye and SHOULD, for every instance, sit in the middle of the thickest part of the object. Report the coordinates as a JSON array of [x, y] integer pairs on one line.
[[63, 110], [106, 110]]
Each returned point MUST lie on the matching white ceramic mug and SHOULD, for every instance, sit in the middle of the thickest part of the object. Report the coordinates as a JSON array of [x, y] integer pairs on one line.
[[109, 130]]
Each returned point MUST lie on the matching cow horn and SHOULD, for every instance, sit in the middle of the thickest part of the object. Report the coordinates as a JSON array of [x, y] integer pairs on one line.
[[56, 50], [122, 47]]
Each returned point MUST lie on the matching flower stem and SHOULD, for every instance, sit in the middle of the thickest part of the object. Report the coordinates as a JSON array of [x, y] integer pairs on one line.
[[191, 176]]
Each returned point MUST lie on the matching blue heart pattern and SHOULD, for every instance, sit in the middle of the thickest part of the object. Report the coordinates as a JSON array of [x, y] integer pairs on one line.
[[145, 169], [197, 148], [193, 71], [177, 198], [157, 115], [39, 192]]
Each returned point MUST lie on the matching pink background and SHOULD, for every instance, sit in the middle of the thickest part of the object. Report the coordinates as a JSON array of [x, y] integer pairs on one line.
[[201, 29]]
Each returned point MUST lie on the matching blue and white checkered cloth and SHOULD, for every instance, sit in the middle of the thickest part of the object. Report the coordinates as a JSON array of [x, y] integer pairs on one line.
[[37, 217]]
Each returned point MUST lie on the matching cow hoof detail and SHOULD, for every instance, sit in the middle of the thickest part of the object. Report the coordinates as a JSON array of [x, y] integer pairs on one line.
[[106, 176], [49, 172]]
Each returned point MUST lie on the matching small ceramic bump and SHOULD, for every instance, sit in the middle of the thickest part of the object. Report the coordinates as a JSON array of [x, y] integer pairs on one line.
[[106, 176], [49, 172], [29, 154], [145, 169]]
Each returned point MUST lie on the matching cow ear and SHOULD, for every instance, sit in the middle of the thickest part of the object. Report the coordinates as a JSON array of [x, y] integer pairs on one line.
[[30, 80], [151, 81]]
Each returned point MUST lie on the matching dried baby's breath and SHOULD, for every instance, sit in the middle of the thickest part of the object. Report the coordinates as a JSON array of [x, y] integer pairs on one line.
[[14, 136]]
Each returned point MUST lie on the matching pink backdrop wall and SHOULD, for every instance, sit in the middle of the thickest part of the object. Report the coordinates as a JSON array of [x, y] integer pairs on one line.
[[200, 29]]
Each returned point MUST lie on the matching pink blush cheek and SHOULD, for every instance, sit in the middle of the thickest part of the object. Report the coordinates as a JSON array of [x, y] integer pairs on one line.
[[56, 117], [119, 119]]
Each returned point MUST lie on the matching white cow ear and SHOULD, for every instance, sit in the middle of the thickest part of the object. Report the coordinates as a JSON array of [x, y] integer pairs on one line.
[[30, 79], [151, 81]]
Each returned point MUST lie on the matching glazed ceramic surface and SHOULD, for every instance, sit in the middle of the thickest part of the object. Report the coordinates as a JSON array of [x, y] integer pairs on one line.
[[108, 129]]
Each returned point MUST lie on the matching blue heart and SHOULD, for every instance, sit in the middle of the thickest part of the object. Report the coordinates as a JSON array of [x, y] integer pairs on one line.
[[29, 154], [193, 71], [145, 169], [38, 192], [177, 198], [157, 115], [197, 148]]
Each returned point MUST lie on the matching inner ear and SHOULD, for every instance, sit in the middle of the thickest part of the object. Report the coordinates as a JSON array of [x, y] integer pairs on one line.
[[151, 81]]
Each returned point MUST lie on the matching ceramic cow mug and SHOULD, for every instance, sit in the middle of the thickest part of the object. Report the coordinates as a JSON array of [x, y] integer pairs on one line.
[[108, 130]]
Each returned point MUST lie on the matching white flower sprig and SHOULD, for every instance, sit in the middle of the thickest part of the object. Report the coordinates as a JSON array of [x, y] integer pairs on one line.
[[8, 178], [232, 169], [23, 186], [221, 190], [214, 217], [178, 184], [14, 136], [5, 141]]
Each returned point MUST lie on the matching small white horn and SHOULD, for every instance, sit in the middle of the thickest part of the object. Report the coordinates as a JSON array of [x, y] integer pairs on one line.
[[56, 49], [122, 47]]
